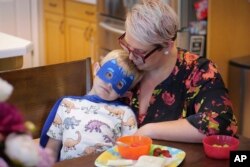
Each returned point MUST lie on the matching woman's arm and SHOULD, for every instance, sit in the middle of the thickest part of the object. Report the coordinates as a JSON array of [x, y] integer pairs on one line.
[[179, 130], [55, 146]]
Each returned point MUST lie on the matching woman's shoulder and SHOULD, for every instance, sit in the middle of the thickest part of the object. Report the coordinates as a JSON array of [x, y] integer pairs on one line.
[[192, 60]]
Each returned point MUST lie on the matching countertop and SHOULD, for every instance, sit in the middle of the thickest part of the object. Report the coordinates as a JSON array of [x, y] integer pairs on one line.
[[12, 46]]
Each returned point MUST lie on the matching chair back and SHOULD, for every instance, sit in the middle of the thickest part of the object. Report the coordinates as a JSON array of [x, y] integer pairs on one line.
[[37, 89]]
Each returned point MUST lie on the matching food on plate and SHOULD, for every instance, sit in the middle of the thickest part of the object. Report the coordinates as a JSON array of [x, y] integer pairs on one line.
[[150, 161], [120, 162], [158, 152], [110, 156]]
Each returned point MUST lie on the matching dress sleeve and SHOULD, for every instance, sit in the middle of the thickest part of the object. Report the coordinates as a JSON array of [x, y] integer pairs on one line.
[[209, 102], [129, 124]]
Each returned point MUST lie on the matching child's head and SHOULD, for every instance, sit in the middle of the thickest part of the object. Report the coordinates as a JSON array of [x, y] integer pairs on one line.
[[115, 75]]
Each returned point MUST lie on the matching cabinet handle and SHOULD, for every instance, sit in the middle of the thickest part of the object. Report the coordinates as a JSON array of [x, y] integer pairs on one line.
[[89, 13], [86, 33], [52, 4], [62, 27], [90, 33]]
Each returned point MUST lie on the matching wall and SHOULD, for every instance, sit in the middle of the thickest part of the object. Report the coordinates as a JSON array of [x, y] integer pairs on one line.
[[228, 32], [21, 19]]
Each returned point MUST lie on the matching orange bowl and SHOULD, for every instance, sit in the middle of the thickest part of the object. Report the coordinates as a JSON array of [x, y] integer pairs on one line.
[[136, 146], [219, 146]]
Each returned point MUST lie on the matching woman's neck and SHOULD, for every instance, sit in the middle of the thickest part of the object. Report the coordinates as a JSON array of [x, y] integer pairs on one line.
[[163, 69]]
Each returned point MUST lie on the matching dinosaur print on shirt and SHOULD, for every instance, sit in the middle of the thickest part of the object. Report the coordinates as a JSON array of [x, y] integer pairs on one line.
[[95, 125], [85, 127]]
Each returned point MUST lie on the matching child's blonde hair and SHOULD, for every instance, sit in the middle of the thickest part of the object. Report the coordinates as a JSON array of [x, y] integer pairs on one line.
[[122, 58]]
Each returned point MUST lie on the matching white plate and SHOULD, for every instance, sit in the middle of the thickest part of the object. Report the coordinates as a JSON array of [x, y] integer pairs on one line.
[[113, 154]]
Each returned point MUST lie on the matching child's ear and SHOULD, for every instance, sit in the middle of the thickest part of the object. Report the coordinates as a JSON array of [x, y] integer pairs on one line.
[[96, 67]]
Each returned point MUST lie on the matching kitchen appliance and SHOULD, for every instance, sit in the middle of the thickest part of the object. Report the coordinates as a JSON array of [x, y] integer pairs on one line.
[[238, 86], [111, 20], [193, 25], [112, 15]]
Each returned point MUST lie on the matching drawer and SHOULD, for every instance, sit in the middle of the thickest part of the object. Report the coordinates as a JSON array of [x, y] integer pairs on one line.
[[55, 6], [79, 10]]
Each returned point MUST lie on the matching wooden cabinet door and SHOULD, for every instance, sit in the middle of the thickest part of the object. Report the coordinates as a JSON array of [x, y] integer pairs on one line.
[[92, 41], [54, 38], [77, 39]]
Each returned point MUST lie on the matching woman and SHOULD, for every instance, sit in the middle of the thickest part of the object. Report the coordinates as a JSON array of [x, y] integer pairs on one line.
[[182, 96]]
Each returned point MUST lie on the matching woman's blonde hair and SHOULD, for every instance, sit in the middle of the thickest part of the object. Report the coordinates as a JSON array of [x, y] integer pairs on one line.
[[123, 60], [152, 22]]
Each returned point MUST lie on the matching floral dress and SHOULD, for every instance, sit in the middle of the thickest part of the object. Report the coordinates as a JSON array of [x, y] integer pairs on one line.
[[195, 91]]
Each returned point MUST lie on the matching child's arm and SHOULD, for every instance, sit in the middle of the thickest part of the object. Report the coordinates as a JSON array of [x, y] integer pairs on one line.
[[129, 124], [55, 146]]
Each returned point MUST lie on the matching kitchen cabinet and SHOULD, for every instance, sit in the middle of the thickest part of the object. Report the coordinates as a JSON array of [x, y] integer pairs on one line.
[[228, 38], [228, 32], [79, 39], [80, 30], [69, 30], [54, 38]]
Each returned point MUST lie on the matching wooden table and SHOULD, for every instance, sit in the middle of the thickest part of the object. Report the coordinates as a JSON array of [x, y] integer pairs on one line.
[[195, 155]]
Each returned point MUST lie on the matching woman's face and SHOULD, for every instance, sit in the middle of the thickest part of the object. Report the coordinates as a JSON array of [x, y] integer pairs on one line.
[[136, 47]]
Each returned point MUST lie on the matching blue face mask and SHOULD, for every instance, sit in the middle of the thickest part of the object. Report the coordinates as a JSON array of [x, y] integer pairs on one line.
[[111, 72]]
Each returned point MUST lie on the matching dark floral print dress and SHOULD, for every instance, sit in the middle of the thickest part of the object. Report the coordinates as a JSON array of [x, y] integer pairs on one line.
[[195, 91]]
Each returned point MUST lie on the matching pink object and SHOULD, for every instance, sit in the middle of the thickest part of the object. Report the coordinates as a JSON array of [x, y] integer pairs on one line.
[[201, 8], [219, 146]]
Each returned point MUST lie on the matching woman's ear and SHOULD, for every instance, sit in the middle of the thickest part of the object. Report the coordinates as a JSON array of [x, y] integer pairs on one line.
[[168, 44], [96, 67]]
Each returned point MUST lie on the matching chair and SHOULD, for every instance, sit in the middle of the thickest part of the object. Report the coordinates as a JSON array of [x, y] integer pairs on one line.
[[37, 89]]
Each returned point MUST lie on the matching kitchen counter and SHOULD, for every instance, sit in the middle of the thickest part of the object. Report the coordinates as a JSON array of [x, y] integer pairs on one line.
[[11, 46], [12, 50]]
